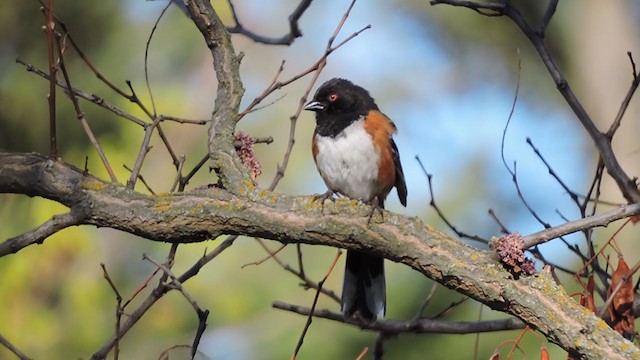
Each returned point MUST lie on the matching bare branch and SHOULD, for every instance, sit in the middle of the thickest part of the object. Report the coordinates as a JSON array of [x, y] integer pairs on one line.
[[202, 314], [158, 293], [12, 348], [546, 18], [635, 81], [435, 206], [53, 68], [144, 150], [89, 97], [313, 306], [80, 114], [142, 180], [627, 185], [119, 310], [286, 39], [487, 8], [602, 219], [39, 234], [417, 326]]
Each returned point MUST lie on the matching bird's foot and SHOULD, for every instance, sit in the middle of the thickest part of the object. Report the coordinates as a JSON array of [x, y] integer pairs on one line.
[[375, 205], [323, 197]]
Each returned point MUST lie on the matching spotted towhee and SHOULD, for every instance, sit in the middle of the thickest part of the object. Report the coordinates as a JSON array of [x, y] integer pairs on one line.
[[356, 156]]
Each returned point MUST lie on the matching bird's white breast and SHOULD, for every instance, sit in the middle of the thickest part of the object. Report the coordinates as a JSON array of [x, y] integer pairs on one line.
[[349, 162]]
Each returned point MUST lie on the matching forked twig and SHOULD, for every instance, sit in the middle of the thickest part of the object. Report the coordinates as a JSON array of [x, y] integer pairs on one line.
[[286, 39]]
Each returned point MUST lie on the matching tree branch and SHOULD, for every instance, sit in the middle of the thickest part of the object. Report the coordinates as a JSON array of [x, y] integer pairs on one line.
[[232, 173], [38, 234], [417, 326], [13, 349], [286, 39], [188, 217], [627, 186], [602, 219]]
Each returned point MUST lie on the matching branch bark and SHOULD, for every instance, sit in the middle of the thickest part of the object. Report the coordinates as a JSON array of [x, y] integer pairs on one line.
[[201, 215], [232, 173]]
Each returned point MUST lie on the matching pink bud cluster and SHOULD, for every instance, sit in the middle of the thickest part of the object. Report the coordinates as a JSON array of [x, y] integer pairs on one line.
[[509, 249], [246, 153]]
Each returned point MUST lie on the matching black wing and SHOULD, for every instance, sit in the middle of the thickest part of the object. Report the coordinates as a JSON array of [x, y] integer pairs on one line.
[[401, 185]]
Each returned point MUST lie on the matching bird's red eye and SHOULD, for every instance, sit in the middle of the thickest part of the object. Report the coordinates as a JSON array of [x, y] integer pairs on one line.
[[333, 97]]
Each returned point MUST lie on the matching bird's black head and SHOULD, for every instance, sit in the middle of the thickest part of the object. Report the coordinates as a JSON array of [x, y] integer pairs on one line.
[[340, 102]]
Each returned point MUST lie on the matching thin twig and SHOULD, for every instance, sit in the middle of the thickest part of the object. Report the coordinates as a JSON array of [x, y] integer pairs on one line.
[[503, 229], [313, 306], [476, 342], [271, 255], [6, 343], [49, 32], [449, 307], [158, 292], [286, 39], [435, 206], [553, 173], [306, 282], [182, 121], [546, 18], [132, 97], [146, 57], [81, 115], [119, 311], [602, 219], [317, 67], [627, 186], [40, 233], [141, 178], [627, 99], [144, 150], [513, 172], [84, 95], [362, 354], [487, 9], [426, 301], [176, 181], [419, 326], [202, 314]]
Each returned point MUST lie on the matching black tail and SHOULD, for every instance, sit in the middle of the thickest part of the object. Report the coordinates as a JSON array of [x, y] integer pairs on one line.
[[363, 288]]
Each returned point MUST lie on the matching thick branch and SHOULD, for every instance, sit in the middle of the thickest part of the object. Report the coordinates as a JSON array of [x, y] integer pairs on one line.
[[196, 216], [233, 175]]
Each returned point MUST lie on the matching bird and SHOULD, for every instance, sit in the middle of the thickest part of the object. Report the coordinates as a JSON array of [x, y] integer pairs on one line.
[[356, 156]]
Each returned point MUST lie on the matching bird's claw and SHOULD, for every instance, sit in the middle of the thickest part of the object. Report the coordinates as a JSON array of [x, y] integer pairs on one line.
[[323, 197], [375, 205]]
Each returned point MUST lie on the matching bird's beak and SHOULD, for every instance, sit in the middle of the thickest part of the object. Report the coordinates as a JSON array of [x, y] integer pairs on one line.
[[314, 106]]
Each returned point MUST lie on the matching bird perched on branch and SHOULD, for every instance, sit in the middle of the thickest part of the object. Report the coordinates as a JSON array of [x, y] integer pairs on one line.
[[356, 156]]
